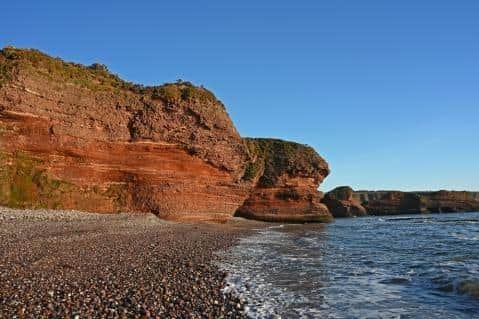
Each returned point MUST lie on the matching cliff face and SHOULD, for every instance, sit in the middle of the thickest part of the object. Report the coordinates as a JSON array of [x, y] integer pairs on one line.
[[395, 202], [286, 176], [341, 203], [78, 137]]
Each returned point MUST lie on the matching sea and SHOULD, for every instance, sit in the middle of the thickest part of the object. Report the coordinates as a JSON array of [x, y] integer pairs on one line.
[[408, 266]]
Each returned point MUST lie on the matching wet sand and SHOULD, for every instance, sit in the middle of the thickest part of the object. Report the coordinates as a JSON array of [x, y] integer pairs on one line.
[[68, 264]]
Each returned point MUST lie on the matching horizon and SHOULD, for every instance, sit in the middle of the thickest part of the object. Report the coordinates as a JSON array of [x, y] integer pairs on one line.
[[321, 75]]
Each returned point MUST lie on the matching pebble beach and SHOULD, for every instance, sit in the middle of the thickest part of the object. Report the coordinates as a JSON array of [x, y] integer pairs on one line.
[[67, 264]]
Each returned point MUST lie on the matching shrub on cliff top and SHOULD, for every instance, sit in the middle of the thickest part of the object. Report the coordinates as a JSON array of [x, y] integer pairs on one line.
[[274, 157], [95, 77], [6, 68], [182, 91]]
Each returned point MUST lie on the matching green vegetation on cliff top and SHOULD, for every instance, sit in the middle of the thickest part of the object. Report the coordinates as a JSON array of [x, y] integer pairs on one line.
[[273, 158], [95, 77]]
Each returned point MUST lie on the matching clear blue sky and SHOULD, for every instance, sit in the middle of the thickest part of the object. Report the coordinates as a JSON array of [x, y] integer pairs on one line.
[[386, 91]]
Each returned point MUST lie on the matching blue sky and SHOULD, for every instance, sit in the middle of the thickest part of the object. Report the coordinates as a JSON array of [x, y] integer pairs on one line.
[[386, 91]]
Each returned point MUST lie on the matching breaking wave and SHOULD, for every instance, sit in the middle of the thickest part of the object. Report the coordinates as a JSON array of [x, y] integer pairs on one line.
[[370, 267]]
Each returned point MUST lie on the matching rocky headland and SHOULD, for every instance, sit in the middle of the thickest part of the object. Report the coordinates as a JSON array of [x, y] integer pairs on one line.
[[345, 202], [396, 202], [79, 137]]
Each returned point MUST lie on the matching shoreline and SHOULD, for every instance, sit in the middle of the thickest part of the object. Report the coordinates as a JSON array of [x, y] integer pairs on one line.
[[68, 263], [333, 271]]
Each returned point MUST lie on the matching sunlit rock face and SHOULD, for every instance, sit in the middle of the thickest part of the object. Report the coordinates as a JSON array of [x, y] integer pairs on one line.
[[79, 137]]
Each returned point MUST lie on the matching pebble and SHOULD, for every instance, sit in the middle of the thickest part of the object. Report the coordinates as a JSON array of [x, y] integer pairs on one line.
[[115, 266]]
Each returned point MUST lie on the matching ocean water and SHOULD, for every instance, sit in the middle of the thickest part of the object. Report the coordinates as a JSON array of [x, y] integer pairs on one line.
[[415, 266]]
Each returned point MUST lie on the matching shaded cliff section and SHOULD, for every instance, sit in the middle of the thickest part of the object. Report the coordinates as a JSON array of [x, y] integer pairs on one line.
[[286, 176], [396, 202], [79, 137], [341, 203]]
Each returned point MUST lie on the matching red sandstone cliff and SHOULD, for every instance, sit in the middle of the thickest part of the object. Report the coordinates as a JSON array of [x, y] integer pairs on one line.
[[78, 137], [396, 202], [286, 177]]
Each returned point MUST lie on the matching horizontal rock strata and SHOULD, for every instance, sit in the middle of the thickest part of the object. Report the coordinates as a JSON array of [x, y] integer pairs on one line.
[[79, 137], [396, 202]]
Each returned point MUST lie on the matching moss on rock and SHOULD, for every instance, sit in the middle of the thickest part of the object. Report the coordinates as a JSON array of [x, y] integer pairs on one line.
[[273, 158], [23, 183]]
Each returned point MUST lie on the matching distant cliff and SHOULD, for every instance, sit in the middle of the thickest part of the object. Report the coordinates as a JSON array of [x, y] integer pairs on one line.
[[79, 137], [341, 203], [396, 202]]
